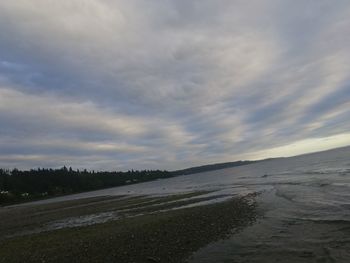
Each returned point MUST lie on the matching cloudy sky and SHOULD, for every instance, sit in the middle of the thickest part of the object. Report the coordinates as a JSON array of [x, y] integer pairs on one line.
[[169, 84]]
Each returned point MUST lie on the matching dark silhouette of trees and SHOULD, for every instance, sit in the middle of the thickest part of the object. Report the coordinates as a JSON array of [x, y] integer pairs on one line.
[[17, 185]]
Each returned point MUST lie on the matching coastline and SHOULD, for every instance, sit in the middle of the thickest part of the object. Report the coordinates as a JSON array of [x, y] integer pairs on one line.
[[155, 235]]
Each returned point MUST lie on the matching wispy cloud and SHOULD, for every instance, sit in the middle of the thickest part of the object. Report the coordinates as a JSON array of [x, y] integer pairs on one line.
[[148, 84]]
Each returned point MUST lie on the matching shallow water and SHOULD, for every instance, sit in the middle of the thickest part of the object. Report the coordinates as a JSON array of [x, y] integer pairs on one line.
[[288, 231], [318, 179], [305, 205], [304, 202]]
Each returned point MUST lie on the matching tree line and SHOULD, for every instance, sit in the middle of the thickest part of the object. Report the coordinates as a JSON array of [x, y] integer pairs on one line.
[[17, 185]]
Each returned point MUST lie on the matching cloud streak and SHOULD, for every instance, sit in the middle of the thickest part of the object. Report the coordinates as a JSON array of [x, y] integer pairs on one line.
[[149, 84]]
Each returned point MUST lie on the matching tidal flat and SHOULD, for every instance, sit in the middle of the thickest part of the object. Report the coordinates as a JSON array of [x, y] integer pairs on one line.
[[132, 229], [301, 214]]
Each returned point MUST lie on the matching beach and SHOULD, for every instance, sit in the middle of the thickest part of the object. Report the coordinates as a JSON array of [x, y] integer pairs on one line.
[[281, 210], [152, 229]]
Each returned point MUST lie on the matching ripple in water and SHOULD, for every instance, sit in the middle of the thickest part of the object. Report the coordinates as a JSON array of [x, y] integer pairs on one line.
[[307, 221]]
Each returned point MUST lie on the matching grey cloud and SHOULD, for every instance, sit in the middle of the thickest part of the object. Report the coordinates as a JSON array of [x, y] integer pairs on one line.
[[168, 84]]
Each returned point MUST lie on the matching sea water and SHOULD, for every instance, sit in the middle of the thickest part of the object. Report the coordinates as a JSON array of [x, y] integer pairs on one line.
[[303, 205]]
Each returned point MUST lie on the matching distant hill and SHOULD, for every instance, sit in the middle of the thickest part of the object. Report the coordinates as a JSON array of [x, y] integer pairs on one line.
[[210, 167]]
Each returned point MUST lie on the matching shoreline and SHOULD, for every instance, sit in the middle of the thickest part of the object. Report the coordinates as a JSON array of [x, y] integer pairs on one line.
[[154, 236]]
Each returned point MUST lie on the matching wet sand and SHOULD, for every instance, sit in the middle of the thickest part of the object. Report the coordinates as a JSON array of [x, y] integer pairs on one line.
[[146, 229], [303, 207]]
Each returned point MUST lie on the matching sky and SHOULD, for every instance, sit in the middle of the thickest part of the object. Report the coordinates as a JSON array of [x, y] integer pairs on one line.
[[169, 84]]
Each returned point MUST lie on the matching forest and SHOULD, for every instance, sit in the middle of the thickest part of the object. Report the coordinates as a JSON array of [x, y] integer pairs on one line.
[[18, 186], [26, 185]]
